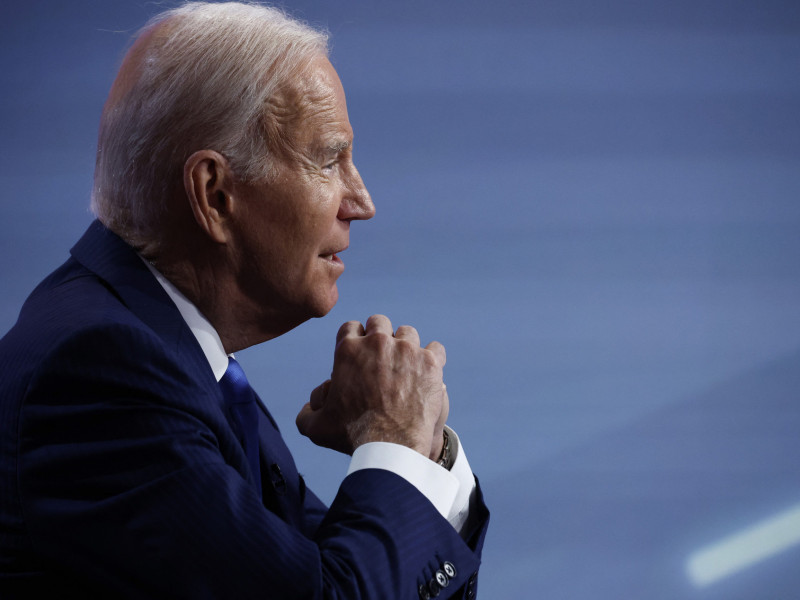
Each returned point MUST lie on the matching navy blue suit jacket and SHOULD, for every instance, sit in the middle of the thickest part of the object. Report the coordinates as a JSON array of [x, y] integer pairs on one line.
[[122, 477]]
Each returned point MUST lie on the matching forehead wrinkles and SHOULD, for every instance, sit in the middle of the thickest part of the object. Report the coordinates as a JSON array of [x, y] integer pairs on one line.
[[297, 113]]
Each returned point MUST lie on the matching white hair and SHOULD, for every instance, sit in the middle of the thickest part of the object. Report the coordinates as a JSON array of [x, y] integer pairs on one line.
[[203, 82]]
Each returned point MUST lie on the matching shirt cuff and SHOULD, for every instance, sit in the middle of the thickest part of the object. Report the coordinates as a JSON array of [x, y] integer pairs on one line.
[[451, 492], [437, 484], [465, 498]]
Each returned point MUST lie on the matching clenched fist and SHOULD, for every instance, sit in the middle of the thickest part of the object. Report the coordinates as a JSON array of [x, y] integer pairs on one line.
[[384, 387]]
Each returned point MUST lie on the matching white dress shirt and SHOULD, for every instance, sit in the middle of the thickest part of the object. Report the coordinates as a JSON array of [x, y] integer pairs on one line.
[[451, 492]]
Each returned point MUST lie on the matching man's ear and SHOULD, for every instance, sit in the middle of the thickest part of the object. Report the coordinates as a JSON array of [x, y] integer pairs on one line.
[[208, 182]]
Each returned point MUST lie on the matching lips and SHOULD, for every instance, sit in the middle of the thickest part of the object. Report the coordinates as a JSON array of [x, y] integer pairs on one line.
[[332, 254]]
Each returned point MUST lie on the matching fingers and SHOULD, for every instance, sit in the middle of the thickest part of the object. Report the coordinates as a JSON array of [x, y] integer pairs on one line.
[[382, 324], [379, 324], [349, 329], [318, 395], [304, 419], [438, 351], [408, 333], [445, 405], [375, 324], [320, 423], [384, 386]]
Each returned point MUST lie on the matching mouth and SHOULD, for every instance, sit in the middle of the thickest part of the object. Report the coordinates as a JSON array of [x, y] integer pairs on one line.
[[332, 256]]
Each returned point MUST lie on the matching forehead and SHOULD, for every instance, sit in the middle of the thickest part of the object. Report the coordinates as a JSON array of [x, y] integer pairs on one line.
[[312, 108]]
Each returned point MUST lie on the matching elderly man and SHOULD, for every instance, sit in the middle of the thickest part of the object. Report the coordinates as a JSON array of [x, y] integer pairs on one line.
[[137, 462]]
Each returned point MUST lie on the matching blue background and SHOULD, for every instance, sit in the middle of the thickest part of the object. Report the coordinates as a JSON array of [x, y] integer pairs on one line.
[[594, 206]]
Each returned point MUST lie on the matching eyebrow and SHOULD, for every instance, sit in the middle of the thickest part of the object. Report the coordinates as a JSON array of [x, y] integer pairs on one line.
[[337, 147]]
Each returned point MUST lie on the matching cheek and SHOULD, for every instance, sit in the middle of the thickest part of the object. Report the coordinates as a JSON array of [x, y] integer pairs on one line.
[[317, 229]]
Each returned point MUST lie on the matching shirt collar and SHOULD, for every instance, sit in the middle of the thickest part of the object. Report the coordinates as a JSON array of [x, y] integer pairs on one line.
[[206, 335]]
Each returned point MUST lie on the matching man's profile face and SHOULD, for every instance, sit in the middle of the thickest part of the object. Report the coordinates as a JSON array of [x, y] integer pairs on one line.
[[295, 223]]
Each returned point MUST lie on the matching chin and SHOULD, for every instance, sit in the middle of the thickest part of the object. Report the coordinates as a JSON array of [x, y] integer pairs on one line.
[[328, 306], [323, 304]]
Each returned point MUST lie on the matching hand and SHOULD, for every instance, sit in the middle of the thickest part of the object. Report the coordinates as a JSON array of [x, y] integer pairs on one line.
[[383, 387]]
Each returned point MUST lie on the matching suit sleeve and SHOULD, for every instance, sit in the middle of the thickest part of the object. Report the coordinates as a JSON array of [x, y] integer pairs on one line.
[[127, 490]]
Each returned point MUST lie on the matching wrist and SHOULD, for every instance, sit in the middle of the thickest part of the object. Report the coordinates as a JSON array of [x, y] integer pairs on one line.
[[445, 456]]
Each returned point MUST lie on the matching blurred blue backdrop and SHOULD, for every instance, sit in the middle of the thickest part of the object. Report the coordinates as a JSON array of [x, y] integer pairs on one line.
[[594, 206]]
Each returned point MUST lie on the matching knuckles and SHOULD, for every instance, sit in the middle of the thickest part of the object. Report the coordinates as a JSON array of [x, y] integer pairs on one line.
[[348, 346], [383, 387]]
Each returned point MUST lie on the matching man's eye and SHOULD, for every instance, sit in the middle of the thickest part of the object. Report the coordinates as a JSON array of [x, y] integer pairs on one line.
[[330, 165]]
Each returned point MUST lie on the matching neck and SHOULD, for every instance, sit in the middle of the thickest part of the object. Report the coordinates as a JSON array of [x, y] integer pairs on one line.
[[209, 282]]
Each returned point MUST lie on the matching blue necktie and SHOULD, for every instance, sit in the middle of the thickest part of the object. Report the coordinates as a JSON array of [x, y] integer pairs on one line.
[[241, 401]]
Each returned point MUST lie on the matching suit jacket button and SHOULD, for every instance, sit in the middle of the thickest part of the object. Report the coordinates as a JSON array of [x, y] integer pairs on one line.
[[449, 569], [434, 588], [471, 586], [424, 594], [441, 579]]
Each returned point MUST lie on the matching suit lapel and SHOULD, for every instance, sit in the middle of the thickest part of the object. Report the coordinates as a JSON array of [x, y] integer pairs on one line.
[[104, 253], [115, 262], [280, 481]]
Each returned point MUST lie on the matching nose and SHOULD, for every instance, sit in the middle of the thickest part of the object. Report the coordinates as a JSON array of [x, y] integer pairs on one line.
[[357, 203]]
